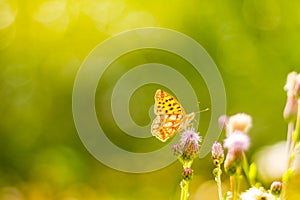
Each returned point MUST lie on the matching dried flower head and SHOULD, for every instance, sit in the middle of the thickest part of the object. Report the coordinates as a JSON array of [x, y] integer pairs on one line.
[[237, 142], [255, 193], [239, 122], [217, 153]]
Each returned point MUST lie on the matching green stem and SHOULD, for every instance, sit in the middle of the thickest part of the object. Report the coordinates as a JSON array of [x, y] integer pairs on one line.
[[233, 187], [184, 190], [295, 136], [289, 137], [187, 164], [219, 183], [237, 176], [245, 167], [235, 183], [184, 184], [294, 139]]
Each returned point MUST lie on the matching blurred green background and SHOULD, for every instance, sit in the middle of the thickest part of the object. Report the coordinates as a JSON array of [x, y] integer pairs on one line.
[[255, 44]]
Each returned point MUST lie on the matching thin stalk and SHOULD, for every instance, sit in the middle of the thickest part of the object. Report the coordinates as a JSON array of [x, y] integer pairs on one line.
[[295, 136], [289, 137], [184, 190], [219, 183], [235, 183], [237, 176], [245, 167], [184, 184], [233, 187]]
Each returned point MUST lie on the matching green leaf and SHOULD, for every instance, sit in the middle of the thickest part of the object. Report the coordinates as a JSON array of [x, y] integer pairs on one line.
[[252, 173], [287, 175]]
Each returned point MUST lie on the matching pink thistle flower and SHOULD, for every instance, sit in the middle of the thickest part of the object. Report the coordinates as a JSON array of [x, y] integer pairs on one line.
[[190, 136], [188, 148], [237, 142]]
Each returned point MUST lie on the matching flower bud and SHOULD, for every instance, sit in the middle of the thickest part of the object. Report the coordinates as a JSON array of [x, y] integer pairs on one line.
[[276, 188], [187, 174], [232, 161], [290, 109], [217, 153], [217, 172], [292, 86], [223, 119]]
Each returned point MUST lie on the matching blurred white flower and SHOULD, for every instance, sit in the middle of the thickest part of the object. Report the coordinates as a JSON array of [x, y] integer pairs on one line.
[[238, 122], [271, 161], [256, 194]]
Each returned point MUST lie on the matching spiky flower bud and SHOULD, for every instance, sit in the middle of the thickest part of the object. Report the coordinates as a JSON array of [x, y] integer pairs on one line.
[[217, 153], [187, 174]]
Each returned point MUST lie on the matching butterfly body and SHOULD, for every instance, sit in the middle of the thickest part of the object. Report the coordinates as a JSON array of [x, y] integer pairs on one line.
[[170, 116]]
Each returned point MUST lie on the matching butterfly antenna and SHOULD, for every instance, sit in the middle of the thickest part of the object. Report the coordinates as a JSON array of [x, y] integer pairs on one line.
[[200, 111]]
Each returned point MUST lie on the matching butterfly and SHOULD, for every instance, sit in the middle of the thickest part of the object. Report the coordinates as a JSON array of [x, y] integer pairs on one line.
[[170, 116]]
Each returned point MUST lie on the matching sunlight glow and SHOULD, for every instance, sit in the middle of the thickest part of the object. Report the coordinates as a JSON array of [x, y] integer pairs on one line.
[[7, 14]]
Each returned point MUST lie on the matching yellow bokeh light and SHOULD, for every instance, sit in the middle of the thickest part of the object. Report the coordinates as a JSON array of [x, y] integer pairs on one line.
[[7, 13], [50, 11], [55, 14], [111, 17]]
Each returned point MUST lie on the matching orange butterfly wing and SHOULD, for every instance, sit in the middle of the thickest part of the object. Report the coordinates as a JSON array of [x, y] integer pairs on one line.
[[170, 115]]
